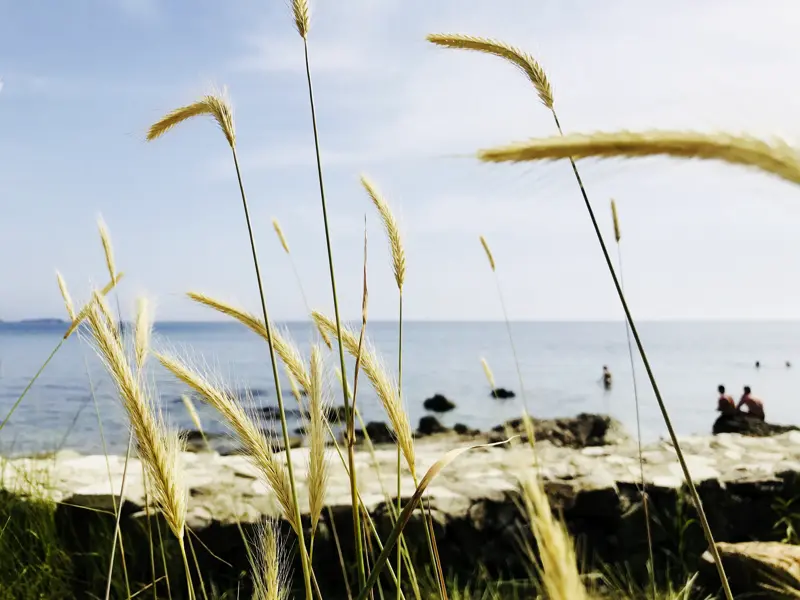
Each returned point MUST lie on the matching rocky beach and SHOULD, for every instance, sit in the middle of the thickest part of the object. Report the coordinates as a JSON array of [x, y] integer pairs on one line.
[[590, 468]]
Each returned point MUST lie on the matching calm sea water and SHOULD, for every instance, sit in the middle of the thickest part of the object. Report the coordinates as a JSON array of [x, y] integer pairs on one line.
[[561, 365]]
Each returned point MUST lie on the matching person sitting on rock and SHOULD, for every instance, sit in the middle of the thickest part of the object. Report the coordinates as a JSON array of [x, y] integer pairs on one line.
[[755, 407], [725, 404], [606, 377]]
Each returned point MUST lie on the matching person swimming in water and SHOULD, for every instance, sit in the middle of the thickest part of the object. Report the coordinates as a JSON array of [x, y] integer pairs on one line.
[[755, 406], [606, 377], [758, 364], [725, 403]]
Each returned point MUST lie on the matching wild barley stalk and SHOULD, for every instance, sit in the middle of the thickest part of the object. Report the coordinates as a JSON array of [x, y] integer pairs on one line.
[[269, 570], [643, 490], [559, 567], [318, 467], [76, 320], [526, 419], [158, 448], [108, 252], [190, 408], [219, 108], [488, 372], [778, 158], [301, 18], [398, 255]]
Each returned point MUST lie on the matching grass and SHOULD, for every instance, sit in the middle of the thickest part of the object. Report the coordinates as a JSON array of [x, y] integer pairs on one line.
[[51, 551]]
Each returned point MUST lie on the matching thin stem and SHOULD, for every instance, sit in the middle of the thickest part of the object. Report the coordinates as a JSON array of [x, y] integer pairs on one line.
[[643, 489], [276, 377], [189, 585], [117, 530], [526, 419], [31, 382], [662, 407], [150, 531], [400, 396], [197, 568], [356, 517], [339, 551]]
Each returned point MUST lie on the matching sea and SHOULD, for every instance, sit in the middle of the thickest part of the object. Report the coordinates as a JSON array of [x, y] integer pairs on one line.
[[561, 365]]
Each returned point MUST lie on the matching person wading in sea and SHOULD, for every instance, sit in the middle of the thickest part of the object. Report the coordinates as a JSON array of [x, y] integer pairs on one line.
[[755, 407], [606, 377]]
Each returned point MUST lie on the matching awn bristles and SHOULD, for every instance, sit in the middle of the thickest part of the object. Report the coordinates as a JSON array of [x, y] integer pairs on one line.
[[383, 384], [159, 449], [281, 237], [617, 232], [190, 408], [82, 314], [108, 249], [392, 232], [251, 436], [488, 251], [217, 105], [488, 372], [301, 17], [285, 349], [293, 385], [777, 157], [62, 285], [142, 332], [318, 468], [559, 567], [268, 565], [522, 60]]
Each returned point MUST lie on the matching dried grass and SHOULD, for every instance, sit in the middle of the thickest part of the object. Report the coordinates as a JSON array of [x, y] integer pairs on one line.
[[281, 237], [384, 387], [559, 572], [776, 157], [285, 349], [142, 332], [217, 105], [615, 218], [522, 60], [301, 17], [268, 562], [108, 249], [392, 232], [62, 286], [318, 466], [245, 427], [159, 448], [488, 372], [488, 251]]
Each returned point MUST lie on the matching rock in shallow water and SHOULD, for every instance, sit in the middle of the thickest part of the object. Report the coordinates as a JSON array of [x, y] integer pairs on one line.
[[744, 424], [438, 403], [502, 393], [429, 425]]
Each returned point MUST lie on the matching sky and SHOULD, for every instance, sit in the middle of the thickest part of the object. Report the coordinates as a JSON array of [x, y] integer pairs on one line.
[[83, 80]]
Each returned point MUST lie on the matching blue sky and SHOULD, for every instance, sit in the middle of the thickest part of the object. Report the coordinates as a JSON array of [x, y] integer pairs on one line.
[[82, 81]]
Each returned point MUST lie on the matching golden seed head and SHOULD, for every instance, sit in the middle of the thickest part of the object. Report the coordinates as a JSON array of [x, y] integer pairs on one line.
[[108, 249], [392, 232], [281, 237], [79, 318], [142, 330], [488, 252], [775, 157], [301, 17], [217, 105], [522, 60], [617, 233], [190, 408], [62, 285], [488, 372]]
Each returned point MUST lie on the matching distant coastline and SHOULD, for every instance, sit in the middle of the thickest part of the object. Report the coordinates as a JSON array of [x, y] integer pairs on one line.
[[44, 321]]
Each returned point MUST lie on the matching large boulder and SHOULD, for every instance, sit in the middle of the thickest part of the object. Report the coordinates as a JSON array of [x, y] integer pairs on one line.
[[586, 429], [744, 424], [757, 570], [379, 433], [438, 403], [429, 425]]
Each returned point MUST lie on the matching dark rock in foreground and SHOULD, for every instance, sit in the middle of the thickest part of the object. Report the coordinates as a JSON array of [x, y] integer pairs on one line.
[[462, 429], [579, 432], [755, 569], [430, 425], [502, 393], [438, 403], [744, 424]]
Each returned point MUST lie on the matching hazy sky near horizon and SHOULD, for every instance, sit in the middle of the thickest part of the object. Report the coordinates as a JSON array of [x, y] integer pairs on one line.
[[83, 80]]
